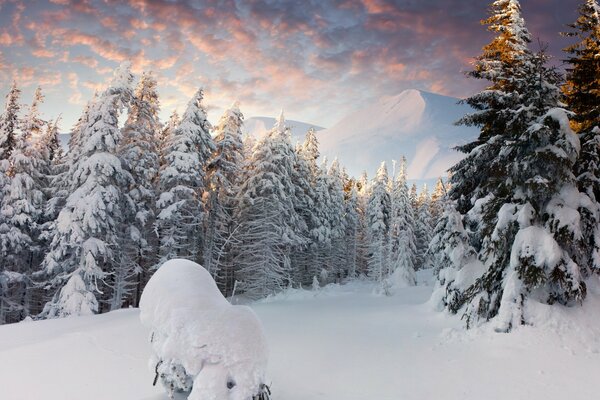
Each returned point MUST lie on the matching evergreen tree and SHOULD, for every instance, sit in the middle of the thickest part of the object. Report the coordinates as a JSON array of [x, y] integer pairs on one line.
[[500, 64], [85, 247], [378, 226], [139, 154], [352, 232], [524, 199], [21, 212], [9, 122], [423, 228], [582, 87], [402, 236], [182, 184], [582, 95], [336, 258], [224, 175], [436, 207], [453, 260], [305, 205], [165, 133], [364, 191], [268, 223]]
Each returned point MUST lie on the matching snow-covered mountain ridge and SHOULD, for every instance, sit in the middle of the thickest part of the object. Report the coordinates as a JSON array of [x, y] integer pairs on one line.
[[416, 124]]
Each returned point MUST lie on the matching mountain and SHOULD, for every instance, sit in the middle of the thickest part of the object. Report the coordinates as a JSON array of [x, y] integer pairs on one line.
[[414, 123], [258, 126]]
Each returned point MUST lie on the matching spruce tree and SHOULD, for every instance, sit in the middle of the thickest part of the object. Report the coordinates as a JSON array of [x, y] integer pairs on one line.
[[336, 258], [454, 261], [182, 183], [22, 208], [582, 94], [402, 236], [85, 249], [524, 198], [378, 226], [305, 204], [224, 176], [582, 88], [139, 154], [423, 228], [268, 223], [9, 122]]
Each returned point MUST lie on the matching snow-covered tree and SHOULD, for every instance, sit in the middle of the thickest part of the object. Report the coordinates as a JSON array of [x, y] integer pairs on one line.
[[453, 259], [403, 249], [21, 210], [139, 154], [364, 191], [182, 183], [378, 226], [165, 133], [525, 199], [352, 231], [336, 257], [582, 95], [305, 203], [500, 65], [268, 223], [224, 175], [85, 245], [423, 228], [582, 87], [9, 122], [436, 207]]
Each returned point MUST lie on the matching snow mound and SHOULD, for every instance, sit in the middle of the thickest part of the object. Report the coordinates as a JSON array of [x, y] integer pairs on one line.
[[203, 345]]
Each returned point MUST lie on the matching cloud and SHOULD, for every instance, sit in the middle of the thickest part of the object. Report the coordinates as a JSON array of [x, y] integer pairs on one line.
[[315, 57]]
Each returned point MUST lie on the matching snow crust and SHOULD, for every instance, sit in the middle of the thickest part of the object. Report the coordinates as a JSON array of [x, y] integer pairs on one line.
[[195, 327]]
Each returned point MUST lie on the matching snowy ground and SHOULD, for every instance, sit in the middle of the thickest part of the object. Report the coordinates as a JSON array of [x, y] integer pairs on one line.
[[343, 343]]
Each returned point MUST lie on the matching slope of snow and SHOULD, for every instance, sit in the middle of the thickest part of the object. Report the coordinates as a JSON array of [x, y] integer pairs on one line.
[[416, 124], [258, 126], [342, 342]]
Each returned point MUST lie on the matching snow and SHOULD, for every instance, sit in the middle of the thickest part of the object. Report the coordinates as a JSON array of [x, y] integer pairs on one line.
[[195, 327], [341, 342], [414, 123]]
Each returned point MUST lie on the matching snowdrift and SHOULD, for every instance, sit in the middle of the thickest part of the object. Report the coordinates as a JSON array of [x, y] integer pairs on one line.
[[203, 346]]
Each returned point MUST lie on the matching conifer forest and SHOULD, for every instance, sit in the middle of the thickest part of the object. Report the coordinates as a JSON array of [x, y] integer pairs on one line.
[[506, 239]]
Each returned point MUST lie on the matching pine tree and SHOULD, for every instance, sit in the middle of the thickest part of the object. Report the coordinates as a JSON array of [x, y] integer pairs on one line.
[[402, 236], [305, 205], [582, 88], [268, 223], [378, 226], [165, 133], [500, 65], [582, 95], [423, 228], [9, 122], [336, 259], [364, 193], [453, 260], [224, 175], [21, 211], [139, 153], [84, 252], [436, 207], [182, 183], [352, 231], [526, 202]]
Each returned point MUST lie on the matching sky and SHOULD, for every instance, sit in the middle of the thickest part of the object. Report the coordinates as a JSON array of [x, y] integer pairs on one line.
[[318, 60]]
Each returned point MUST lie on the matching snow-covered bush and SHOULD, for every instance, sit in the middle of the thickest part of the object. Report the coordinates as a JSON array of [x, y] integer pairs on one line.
[[203, 346]]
